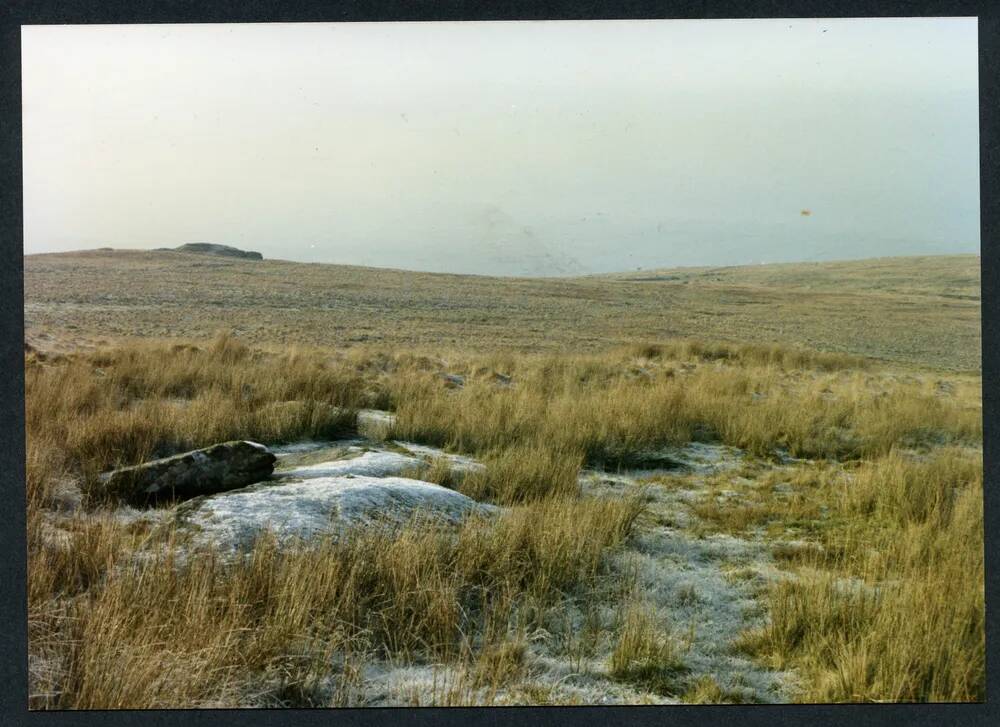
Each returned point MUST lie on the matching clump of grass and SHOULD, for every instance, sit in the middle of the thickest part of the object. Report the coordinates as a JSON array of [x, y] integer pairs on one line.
[[756, 510], [500, 663], [438, 472], [779, 356], [546, 547], [687, 595], [898, 489], [897, 611], [707, 690], [524, 474], [646, 654]]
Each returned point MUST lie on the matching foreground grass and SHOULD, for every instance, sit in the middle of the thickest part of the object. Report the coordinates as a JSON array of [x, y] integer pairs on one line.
[[647, 654], [886, 597], [109, 629], [121, 632]]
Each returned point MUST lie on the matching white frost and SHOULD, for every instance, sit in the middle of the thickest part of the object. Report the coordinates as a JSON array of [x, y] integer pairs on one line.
[[285, 450], [368, 464]]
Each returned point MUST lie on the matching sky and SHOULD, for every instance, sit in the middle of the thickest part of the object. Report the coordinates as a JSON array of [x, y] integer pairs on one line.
[[507, 148]]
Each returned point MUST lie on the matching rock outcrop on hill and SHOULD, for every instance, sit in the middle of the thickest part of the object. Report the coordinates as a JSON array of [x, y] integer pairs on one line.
[[209, 248], [218, 468]]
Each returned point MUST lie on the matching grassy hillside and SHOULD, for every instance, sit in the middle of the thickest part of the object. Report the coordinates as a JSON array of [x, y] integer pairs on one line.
[[923, 311]]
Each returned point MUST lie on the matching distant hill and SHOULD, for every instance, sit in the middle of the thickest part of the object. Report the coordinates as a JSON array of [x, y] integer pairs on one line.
[[923, 311]]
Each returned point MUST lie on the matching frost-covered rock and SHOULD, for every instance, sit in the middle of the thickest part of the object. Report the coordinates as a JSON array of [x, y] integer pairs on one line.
[[367, 464], [218, 468], [284, 451], [322, 506]]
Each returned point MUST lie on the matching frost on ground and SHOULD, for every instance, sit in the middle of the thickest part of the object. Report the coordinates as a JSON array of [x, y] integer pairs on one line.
[[684, 580], [363, 457], [687, 580], [547, 681]]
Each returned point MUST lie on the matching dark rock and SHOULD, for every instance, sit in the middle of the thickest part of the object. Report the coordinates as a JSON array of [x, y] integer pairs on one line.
[[218, 468], [208, 248]]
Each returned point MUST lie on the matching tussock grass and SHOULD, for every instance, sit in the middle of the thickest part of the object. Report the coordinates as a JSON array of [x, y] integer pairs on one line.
[[123, 406], [593, 405], [120, 406], [900, 491], [646, 653], [524, 473], [111, 629], [707, 690], [775, 501], [156, 632], [498, 664], [749, 354], [893, 608]]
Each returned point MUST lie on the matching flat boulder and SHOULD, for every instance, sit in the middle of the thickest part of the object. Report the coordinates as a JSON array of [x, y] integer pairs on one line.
[[358, 463], [322, 506], [219, 468]]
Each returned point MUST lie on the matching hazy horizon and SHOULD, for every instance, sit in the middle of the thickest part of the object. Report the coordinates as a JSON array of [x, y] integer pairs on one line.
[[650, 269], [509, 148]]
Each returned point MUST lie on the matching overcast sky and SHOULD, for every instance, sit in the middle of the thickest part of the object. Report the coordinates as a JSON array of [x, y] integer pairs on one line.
[[541, 148]]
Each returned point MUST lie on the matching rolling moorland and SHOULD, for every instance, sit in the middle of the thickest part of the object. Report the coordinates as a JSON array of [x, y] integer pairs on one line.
[[922, 311], [757, 484]]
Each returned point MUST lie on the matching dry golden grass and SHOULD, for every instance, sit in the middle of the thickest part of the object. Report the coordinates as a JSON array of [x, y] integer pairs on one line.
[[706, 690], [604, 409], [891, 608], [121, 406], [109, 629], [647, 653], [156, 632]]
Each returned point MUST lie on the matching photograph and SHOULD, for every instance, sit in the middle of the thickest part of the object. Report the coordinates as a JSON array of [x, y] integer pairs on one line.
[[502, 363]]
